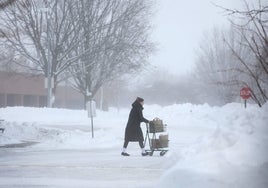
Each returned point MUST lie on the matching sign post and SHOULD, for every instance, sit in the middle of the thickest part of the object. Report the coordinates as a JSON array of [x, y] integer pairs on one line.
[[245, 94], [91, 109]]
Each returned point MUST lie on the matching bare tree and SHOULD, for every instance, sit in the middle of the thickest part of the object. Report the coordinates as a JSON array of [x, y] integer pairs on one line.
[[230, 60], [253, 30], [4, 57], [7, 57], [5, 3], [217, 68], [41, 31], [116, 41]]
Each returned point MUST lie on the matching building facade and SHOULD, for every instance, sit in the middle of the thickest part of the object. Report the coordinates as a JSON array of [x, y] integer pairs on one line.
[[19, 89]]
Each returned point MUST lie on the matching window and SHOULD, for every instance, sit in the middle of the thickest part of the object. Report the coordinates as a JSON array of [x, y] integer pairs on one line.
[[11, 100], [2, 100], [29, 100]]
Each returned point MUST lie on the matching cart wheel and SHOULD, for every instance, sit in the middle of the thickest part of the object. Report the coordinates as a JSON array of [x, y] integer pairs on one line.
[[162, 153], [151, 153]]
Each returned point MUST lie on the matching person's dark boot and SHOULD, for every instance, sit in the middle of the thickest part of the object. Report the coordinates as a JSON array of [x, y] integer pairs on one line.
[[125, 154], [145, 154], [2, 130]]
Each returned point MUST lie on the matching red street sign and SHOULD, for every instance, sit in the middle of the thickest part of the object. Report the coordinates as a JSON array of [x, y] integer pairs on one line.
[[245, 93]]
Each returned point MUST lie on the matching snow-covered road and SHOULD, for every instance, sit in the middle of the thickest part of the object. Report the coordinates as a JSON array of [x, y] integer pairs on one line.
[[35, 166], [30, 167]]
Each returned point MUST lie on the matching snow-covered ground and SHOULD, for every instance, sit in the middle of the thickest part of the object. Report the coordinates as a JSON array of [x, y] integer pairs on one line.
[[210, 147]]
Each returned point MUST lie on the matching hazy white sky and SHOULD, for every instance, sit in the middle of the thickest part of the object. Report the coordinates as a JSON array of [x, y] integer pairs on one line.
[[179, 26]]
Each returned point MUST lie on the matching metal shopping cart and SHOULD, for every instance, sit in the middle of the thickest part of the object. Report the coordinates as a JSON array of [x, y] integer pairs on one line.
[[157, 137]]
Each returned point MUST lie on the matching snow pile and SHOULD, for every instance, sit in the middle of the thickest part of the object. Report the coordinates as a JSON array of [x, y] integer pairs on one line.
[[59, 128], [209, 146], [234, 155]]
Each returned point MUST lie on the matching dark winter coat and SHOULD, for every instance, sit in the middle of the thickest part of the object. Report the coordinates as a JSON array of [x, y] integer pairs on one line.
[[133, 130]]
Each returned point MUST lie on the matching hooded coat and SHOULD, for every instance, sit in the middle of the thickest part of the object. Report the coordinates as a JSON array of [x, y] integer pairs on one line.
[[133, 130]]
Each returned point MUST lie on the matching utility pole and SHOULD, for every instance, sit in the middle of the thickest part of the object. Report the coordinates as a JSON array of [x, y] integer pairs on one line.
[[48, 83]]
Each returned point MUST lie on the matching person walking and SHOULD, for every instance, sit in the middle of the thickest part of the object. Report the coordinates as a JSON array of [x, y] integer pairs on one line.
[[133, 132]]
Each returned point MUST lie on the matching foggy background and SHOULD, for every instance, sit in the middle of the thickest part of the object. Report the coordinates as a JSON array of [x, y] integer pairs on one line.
[[180, 29], [166, 51]]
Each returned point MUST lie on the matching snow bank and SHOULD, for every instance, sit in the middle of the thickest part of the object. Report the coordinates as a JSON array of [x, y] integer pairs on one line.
[[234, 155], [209, 146], [60, 128]]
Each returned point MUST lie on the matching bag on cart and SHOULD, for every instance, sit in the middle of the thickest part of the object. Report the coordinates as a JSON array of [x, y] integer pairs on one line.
[[155, 143], [161, 142], [163, 139], [156, 126]]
